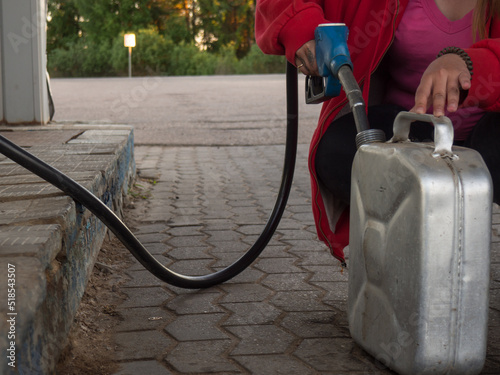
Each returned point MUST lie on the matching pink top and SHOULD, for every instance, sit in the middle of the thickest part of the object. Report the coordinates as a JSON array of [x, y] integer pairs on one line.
[[422, 33]]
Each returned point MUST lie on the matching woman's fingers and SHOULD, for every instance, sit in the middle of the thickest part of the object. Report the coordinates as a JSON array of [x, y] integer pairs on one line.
[[441, 84], [305, 59]]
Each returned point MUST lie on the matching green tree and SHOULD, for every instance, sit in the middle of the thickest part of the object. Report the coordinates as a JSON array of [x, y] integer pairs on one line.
[[172, 18], [64, 26], [230, 22], [105, 19]]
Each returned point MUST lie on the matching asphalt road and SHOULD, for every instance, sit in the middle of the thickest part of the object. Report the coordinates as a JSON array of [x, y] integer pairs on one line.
[[195, 110]]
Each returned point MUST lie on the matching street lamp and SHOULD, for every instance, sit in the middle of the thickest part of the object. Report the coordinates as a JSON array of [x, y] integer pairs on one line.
[[129, 41]]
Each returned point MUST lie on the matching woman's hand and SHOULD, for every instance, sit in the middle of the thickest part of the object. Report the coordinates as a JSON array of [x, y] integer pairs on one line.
[[441, 84], [305, 59]]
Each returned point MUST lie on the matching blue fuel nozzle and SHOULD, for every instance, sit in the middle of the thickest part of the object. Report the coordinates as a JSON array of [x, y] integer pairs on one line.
[[335, 69], [331, 54]]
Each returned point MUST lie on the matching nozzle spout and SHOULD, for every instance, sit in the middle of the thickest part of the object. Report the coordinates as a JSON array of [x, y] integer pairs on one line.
[[355, 97]]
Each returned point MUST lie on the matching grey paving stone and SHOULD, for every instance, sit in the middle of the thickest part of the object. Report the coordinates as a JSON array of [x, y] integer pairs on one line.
[[202, 357], [188, 241], [314, 324], [260, 339], [326, 273], [180, 219], [303, 217], [244, 293], [241, 211], [185, 211], [250, 219], [250, 275], [300, 246], [163, 213], [142, 318], [196, 327], [142, 367], [243, 202], [274, 365], [136, 266], [296, 234], [194, 230], [145, 297], [196, 267], [288, 282], [226, 247], [300, 207], [277, 265], [149, 174], [223, 260], [154, 238], [299, 301], [141, 345], [336, 291], [142, 278], [339, 309], [275, 240], [335, 356], [188, 204], [158, 248], [195, 303], [219, 224], [251, 229], [315, 258], [276, 251], [290, 223], [250, 313], [152, 228], [186, 253], [223, 235]]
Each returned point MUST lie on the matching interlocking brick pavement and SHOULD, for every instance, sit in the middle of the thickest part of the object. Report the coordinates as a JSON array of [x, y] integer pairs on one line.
[[286, 314]]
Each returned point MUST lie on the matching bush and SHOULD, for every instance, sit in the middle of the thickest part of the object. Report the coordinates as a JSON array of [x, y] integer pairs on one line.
[[80, 59], [149, 57], [187, 59], [256, 62], [156, 54]]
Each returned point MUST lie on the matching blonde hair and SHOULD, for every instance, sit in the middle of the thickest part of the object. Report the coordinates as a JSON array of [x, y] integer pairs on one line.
[[484, 10]]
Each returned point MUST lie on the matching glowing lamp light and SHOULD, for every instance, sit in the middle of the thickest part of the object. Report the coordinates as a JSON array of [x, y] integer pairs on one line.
[[129, 40]]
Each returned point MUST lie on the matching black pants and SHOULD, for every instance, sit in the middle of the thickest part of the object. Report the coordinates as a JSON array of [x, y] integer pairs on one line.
[[337, 147]]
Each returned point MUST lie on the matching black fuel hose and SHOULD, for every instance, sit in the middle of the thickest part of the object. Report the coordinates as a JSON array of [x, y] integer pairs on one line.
[[121, 231]]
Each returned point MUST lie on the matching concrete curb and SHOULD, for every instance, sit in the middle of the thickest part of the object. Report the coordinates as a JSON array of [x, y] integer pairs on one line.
[[48, 242]]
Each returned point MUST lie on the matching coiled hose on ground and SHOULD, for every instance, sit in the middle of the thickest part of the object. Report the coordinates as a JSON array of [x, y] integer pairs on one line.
[[123, 233]]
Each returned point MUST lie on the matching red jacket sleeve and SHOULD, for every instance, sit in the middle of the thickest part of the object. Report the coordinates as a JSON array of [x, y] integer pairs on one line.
[[485, 88], [485, 56], [283, 26]]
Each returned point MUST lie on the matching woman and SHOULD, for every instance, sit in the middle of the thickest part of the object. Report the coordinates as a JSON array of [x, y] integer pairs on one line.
[[393, 46]]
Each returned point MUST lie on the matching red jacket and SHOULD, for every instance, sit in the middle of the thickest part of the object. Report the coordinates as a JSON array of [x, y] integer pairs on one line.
[[283, 26]]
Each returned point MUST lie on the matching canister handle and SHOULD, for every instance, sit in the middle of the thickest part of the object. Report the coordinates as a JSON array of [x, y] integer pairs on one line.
[[443, 131]]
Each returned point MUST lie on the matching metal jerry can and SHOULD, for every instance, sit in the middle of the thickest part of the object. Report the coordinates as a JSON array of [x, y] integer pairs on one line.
[[419, 252]]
